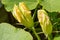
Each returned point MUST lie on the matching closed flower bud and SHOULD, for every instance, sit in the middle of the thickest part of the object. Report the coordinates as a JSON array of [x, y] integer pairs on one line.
[[44, 22], [23, 15]]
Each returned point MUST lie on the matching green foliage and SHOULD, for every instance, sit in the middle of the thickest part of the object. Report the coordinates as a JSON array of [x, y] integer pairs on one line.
[[3, 15], [9, 32], [51, 5], [9, 4], [55, 19], [57, 38], [0, 4], [50, 16]]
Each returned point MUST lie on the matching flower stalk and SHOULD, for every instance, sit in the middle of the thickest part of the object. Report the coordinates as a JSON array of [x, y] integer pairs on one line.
[[37, 36], [23, 16]]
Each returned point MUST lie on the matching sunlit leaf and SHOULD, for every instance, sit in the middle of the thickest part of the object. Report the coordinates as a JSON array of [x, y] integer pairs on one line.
[[51, 5], [10, 3], [57, 38], [9, 32]]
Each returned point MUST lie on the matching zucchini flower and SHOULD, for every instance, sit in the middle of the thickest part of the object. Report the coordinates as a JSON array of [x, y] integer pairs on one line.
[[23, 15], [44, 22]]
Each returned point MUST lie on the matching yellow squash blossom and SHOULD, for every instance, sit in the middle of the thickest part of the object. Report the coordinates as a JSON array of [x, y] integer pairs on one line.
[[23, 15], [44, 22]]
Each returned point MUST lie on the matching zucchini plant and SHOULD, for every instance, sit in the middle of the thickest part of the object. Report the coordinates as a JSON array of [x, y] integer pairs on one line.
[[29, 19]]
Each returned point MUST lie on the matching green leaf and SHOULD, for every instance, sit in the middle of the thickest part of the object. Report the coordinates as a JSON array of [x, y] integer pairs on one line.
[[57, 38], [51, 5], [9, 32], [53, 16], [9, 4]]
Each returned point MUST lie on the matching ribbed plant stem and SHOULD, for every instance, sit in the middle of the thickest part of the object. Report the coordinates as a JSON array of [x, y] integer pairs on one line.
[[49, 37], [33, 29]]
